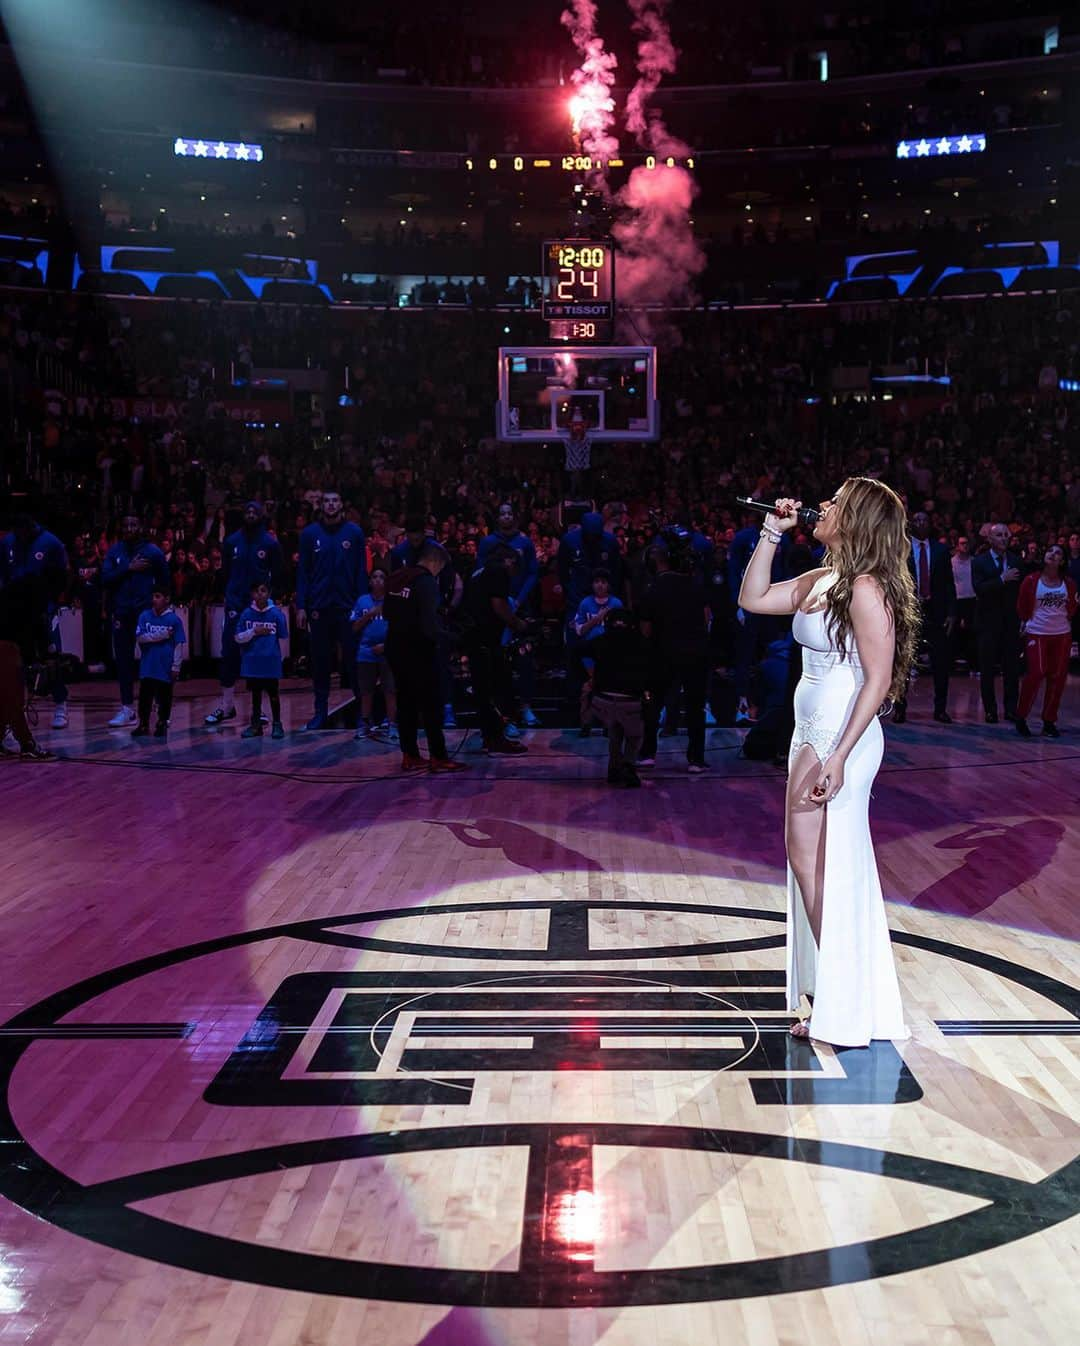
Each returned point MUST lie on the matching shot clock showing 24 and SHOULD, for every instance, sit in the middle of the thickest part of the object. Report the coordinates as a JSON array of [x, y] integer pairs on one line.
[[579, 288]]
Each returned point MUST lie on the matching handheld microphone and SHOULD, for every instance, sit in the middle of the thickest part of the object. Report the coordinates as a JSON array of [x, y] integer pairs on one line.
[[805, 515]]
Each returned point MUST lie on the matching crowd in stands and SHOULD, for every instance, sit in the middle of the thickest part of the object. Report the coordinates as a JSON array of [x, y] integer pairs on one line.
[[484, 43], [752, 403]]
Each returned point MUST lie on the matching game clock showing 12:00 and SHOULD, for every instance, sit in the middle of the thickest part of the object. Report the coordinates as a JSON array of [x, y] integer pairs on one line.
[[579, 280]]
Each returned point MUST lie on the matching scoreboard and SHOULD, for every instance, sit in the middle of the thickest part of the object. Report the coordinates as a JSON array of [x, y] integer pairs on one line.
[[578, 300]]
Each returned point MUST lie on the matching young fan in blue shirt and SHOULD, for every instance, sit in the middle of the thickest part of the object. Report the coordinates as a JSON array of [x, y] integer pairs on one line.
[[372, 666], [260, 629], [159, 633], [593, 610], [589, 622]]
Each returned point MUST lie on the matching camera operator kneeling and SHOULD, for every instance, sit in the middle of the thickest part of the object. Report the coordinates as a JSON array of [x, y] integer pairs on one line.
[[621, 676]]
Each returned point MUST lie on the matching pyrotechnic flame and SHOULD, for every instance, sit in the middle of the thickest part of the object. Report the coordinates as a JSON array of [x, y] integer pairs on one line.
[[592, 108]]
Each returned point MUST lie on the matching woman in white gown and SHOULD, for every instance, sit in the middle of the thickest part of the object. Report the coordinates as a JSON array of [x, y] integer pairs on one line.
[[856, 618]]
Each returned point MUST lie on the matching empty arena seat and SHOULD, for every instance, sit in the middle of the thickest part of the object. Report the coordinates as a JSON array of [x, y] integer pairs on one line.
[[111, 282], [859, 291], [1046, 278], [970, 283], [189, 287], [292, 292]]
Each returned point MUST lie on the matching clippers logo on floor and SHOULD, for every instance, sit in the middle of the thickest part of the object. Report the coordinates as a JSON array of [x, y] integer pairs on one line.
[[337, 1039]]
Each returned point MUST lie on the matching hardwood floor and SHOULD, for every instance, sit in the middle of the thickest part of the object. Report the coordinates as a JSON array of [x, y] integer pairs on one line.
[[301, 1050]]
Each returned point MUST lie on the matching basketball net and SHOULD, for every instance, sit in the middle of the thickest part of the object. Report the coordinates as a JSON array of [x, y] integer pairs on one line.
[[578, 445]]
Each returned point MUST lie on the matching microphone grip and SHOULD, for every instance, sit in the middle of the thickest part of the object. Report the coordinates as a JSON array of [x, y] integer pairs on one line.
[[805, 515]]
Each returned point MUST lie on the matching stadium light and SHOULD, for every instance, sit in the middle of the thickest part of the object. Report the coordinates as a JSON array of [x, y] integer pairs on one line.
[[217, 149], [933, 147]]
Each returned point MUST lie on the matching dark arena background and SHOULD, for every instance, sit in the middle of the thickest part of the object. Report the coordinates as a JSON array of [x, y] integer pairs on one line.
[[315, 1033]]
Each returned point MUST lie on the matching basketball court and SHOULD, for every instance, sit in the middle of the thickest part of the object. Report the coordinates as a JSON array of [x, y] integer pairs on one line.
[[299, 1048]]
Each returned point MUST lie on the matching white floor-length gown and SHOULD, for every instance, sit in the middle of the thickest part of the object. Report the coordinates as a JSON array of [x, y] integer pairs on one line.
[[852, 976]]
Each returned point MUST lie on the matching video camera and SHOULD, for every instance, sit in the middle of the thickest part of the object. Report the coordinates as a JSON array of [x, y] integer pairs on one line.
[[677, 543], [527, 641]]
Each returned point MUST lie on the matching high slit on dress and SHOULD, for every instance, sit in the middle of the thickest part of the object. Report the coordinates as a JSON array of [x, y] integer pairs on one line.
[[852, 976]]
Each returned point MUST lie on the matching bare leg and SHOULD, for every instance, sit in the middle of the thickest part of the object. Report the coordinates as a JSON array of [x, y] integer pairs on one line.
[[391, 705], [366, 701], [804, 833]]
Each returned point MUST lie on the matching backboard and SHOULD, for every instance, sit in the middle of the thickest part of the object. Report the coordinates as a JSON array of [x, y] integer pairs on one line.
[[544, 389]]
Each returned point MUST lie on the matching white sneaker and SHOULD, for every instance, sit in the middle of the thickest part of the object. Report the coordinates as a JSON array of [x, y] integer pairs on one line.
[[10, 742], [60, 718], [123, 717]]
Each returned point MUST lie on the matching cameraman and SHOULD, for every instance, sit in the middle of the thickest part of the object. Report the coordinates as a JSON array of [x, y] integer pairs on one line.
[[675, 617], [34, 569], [407, 553], [620, 693], [411, 607], [486, 615]]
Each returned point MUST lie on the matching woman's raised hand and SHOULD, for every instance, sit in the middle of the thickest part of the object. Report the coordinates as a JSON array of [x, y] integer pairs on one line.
[[785, 515]]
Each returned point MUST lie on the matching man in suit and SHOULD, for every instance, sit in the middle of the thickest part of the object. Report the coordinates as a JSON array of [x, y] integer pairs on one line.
[[996, 578], [931, 567], [753, 632]]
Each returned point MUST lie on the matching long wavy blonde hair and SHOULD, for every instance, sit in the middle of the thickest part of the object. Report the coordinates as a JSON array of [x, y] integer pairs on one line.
[[872, 539]]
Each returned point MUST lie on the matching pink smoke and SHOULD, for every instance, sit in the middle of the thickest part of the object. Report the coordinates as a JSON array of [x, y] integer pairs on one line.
[[592, 108], [656, 57], [659, 255]]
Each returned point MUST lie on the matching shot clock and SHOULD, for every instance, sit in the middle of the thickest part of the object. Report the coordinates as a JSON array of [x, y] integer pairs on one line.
[[579, 329], [579, 288]]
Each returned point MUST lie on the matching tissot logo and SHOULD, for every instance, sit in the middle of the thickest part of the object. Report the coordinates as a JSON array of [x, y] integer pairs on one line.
[[511, 1015]]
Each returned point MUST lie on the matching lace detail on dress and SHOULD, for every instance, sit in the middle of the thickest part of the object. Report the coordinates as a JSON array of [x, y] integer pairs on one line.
[[818, 732]]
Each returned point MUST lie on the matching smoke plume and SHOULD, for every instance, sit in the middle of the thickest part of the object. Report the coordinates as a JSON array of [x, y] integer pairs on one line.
[[660, 257], [592, 108]]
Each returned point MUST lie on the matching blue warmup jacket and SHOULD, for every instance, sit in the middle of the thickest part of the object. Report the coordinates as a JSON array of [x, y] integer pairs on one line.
[[250, 559], [333, 567], [523, 581], [43, 557], [127, 591], [581, 552], [743, 545]]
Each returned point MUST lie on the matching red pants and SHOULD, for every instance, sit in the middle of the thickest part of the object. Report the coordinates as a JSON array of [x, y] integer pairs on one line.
[[1047, 658]]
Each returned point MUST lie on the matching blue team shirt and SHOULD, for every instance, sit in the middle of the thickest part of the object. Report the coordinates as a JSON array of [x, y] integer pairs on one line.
[[373, 634], [157, 659], [589, 607], [261, 656], [43, 555]]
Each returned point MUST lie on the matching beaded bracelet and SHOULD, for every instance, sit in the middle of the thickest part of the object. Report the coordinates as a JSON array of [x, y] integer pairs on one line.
[[774, 538]]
